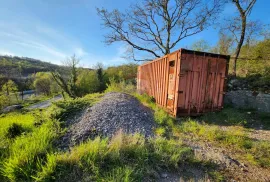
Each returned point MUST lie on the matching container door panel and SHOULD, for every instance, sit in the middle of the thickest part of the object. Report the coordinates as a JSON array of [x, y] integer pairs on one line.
[[171, 83]]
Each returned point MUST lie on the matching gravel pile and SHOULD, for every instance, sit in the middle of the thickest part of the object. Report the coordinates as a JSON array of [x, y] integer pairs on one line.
[[116, 111]]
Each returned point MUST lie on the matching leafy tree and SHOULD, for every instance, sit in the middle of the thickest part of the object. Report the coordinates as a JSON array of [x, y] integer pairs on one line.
[[126, 72], [4, 100], [157, 26], [45, 84], [10, 87], [101, 77], [255, 60], [88, 82]]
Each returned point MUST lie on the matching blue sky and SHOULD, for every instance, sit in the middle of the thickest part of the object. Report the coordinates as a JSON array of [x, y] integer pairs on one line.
[[52, 30]]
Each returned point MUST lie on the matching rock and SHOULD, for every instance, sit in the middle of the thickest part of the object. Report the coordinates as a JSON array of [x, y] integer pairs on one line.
[[164, 175], [12, 108]]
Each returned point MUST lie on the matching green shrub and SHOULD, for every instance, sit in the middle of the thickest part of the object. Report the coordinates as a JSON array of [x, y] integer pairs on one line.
[[64, 109], [14, 130], [121, 86], [87, 82]]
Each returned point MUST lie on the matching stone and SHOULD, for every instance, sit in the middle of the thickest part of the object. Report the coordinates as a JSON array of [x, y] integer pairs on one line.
[[12, 108], [115, 112], [164, 175]]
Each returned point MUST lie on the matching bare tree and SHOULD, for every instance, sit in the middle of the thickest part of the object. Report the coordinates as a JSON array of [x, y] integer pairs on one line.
[[223, 45], [201, 45], [69, 86], [238, 26], [157, 26]]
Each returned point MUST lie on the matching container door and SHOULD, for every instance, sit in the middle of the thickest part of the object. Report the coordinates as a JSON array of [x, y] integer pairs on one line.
[[171, 85]]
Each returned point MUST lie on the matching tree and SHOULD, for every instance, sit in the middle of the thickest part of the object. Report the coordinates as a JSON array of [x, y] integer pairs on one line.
[[101, 77], [88, 82], [68, 85], [157, 26], [200, 45], [224, 44], [45, 84], [10, 87], [238, 25]]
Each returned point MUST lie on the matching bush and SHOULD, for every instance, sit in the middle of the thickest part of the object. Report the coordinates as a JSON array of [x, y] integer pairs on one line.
[[122, 86], [87, 82], [45, 84], [14, 130]]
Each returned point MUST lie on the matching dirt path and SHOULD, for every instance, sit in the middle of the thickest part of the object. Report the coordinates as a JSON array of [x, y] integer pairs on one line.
[[45, 104]]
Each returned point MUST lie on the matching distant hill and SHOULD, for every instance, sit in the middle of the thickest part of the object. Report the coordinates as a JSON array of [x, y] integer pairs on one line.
[[14, 66]]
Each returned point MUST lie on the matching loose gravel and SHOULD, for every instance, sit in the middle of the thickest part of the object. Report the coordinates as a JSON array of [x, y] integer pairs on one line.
[[116, 111]]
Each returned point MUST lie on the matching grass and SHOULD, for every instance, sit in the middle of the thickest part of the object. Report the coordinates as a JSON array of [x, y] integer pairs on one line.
[[26, 138], [29, 101], [124, 158], [238, 117], [206, 128], [29, 154], [235, 139], [29, 151]]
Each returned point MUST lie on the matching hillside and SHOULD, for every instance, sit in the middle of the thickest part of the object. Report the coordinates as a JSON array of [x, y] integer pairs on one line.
[[14, 66]]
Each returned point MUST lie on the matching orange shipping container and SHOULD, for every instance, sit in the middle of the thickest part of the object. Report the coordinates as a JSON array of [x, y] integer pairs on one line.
[[185, 82]]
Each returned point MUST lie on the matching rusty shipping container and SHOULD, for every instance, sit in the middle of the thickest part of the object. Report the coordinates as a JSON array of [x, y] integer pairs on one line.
[[185, 82]]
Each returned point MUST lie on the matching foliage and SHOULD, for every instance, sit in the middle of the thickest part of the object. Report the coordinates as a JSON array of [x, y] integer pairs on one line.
[[87, 82], [62, 110], [45, 84], [14, 130], [101, 77], [4, 101], [126, 72], [68, 85], [9, 87], [28, 66], [121, 86]]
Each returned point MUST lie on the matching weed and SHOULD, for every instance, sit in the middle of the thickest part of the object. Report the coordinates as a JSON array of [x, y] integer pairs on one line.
[[14, 130], [28, 151]]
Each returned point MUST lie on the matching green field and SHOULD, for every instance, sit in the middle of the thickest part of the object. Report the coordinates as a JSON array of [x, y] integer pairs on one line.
[[28, 151]]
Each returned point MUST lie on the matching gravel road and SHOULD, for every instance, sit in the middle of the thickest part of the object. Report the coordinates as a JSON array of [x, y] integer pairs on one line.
[[116, 111], [45, 104]]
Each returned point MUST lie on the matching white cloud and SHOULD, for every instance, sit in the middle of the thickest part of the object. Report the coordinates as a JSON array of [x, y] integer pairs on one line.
[[5, 52]]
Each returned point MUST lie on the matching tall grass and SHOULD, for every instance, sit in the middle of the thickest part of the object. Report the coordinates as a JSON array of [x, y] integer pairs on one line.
[[27, 152], [124, 158]]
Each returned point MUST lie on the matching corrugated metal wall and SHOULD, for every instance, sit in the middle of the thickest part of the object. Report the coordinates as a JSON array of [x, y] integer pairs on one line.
[[185, 82]]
